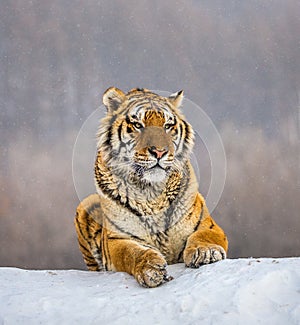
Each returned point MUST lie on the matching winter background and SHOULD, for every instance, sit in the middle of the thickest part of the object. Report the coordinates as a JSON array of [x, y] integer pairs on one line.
[[238, 60]]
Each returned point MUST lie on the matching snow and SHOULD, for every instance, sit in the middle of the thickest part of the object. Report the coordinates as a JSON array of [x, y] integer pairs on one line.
[[241, 291]]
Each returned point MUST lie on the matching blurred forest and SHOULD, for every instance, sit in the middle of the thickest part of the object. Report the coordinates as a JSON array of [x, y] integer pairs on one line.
[[238, 60]]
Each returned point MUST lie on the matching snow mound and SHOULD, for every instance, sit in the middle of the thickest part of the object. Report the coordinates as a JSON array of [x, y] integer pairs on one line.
[[242, 291]]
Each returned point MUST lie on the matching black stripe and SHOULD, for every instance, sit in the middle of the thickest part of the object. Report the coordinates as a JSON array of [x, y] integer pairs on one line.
[[83, 247], [99, 231], [174, 122], [91, 208], [129, 106], [178, 138], [121, 144], [105, 254], [187, 128], [136, 100], [188, 135], [123, 230], [200, 218], [80, 231], [120, 132], [180, 255], [117, 238], [92, 264], [109, 132], [127, 119], [141, 106], [185, 134], [90, 259]]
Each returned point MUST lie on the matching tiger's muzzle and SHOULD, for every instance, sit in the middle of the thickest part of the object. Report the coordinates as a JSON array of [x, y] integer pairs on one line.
[[154, 150]]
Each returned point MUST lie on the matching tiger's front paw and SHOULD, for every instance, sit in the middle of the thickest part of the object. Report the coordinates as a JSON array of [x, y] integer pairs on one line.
[[209, 253], [151, 270]]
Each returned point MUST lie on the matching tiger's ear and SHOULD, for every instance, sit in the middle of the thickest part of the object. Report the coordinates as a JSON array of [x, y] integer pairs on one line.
[[113, 98], [176, 98]]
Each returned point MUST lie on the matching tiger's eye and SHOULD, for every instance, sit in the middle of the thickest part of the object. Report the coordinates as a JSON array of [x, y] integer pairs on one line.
[[137, 125], [168, 126]]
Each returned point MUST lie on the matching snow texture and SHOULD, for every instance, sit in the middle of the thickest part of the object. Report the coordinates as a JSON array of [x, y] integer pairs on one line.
[[242, 291]]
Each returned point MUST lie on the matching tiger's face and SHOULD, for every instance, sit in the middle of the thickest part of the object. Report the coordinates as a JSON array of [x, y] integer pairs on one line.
[[144, 134]]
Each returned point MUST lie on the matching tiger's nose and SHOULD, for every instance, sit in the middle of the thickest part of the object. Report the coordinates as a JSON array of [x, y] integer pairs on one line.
[[158, 152]]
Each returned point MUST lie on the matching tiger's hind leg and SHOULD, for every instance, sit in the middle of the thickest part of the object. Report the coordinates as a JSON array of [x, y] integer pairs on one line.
[[89, 231]]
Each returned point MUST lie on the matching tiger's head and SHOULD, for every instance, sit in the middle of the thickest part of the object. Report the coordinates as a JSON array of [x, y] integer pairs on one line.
[[144, 134]]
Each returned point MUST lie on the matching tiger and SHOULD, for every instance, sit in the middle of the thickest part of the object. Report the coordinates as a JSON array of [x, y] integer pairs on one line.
[[147, 212]]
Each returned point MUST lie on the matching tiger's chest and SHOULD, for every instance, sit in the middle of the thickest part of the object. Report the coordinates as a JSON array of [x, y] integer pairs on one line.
[[166, 229]]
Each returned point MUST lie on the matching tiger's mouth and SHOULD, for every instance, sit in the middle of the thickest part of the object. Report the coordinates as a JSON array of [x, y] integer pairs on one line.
[[164, 163], [153, 174], [142, 168]]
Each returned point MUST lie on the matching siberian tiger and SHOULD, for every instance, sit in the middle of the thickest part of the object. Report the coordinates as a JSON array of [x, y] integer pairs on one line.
[[147, 212]]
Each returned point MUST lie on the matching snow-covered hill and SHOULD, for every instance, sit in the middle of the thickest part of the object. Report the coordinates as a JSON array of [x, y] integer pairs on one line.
[[243, 291]]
